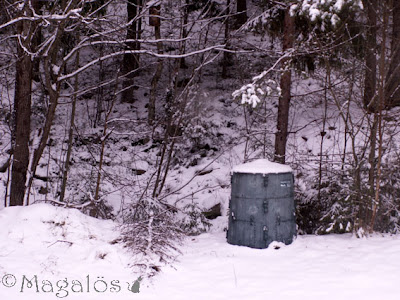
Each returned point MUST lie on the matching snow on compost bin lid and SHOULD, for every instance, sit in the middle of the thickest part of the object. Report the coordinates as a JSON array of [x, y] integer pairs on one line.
[[262, 166]]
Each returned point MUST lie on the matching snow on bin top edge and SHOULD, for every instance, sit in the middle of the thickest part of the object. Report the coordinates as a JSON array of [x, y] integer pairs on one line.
[[262, 166]]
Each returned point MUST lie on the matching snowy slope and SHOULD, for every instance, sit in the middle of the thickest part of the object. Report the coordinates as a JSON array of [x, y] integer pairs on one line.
[[54, 244], [57, 244]]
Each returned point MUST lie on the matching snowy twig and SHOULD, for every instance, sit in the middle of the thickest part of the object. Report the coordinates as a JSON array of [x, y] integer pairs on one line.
[[60, 241]]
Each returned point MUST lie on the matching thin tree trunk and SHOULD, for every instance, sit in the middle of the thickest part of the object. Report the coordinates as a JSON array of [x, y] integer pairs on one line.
[[37, 154], [323, 133], [372, 154], [184, 32], [36, 41], [99, 96], [155, 80], [106, 134], [285, 85], [227, 56], [381, 92], [70, 135]]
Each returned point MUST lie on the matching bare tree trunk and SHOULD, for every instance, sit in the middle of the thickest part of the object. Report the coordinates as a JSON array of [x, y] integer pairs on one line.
[[22, 117], [370, 99], [156, 79], [99, 94], [22, 111], [51, 112], [323, 133], [392, 88], [226, 61], [184, 32], [241, 7], [381, 93], [70, 135], [105, 135], [131, 60], [370, 57], [372, 156], [36, 41], [285, 85]]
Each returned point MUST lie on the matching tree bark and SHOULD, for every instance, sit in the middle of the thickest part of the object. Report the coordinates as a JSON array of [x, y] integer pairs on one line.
[[155, 79], [131, 60], [22, 120], [241, 8], [392, 88], [369, 98], [285, 85], [226, 61], [184, 33], [36, 41]]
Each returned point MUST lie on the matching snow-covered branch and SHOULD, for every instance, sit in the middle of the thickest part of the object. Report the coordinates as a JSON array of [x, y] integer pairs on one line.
[[260, 85], [324, 10], [147, 52]]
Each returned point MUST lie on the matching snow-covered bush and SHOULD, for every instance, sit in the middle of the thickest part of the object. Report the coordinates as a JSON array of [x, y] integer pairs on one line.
[[388, 219], [194, 222], [338, 209], [151, 234], [327, 202], [336, 205]]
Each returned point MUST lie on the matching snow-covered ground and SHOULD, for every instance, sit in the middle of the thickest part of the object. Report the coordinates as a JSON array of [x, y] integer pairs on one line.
[[62, 245]]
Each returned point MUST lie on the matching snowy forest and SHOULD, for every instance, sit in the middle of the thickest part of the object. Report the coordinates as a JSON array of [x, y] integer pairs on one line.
[[135, 112]]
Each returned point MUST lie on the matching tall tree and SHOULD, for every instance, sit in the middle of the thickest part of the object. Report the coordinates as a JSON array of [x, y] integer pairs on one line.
[[53, 85], [378, 115], [22, 108], [370, 97], [131, 60], [156, 23], [285, 85]]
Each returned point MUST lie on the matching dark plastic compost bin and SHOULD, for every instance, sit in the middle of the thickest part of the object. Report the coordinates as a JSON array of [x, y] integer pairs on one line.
[[261, 209]]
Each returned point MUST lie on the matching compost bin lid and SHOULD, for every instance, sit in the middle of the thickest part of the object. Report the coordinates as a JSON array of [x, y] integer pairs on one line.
[[262, 166]]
